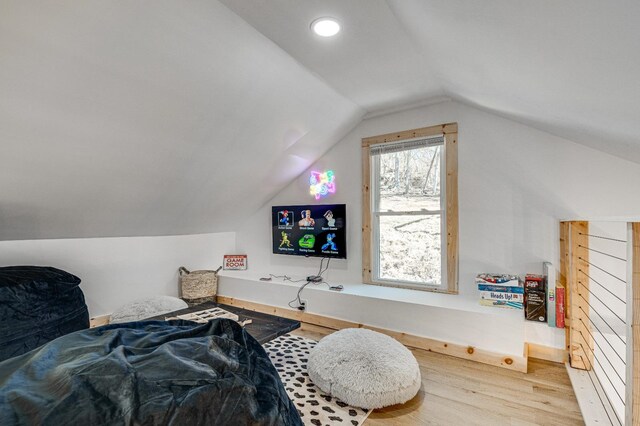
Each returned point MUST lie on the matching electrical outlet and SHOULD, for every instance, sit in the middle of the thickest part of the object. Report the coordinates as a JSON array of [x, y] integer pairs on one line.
[[303, 305]]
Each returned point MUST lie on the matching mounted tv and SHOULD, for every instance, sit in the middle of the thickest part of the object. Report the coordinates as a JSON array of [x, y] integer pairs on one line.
[[318, 230]]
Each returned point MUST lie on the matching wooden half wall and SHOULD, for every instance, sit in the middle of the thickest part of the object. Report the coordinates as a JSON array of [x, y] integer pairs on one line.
[[517, 363]]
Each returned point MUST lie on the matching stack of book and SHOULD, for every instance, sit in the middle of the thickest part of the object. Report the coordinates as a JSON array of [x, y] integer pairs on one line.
[[503, 291]]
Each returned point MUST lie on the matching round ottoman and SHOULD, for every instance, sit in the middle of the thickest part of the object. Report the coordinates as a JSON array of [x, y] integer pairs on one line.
[[146, 308], [364, 368]]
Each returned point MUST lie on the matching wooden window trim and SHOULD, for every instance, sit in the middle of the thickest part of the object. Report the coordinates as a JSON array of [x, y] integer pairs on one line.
[[450, 133]]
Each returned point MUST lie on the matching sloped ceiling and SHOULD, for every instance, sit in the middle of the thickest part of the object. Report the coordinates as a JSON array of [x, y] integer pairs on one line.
[[568, 67], [132, 118], [128, 118]]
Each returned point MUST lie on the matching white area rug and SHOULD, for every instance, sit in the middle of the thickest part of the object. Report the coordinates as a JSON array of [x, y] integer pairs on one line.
[[289, 354]]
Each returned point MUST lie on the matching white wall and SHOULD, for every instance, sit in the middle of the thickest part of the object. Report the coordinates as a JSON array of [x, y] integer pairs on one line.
[[117, 270], [121, 119], [515, 184]]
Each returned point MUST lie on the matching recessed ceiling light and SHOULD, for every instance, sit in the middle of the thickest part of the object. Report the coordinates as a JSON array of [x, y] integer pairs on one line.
[[325, 27]]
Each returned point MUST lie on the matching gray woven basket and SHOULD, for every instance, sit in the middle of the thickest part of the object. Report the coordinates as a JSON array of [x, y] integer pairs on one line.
[[198, 286]]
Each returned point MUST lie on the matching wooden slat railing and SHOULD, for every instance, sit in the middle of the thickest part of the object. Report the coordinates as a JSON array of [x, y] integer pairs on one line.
[[602, 310]]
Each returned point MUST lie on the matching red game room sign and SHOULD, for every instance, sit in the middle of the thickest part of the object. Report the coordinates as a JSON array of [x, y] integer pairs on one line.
[[235, 262]]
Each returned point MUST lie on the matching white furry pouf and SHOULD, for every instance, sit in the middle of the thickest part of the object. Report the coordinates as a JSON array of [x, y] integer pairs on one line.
[[364, 368], [146, 308]]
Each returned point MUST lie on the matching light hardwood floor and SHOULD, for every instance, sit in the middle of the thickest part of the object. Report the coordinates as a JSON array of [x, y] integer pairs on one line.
[[460, 392]]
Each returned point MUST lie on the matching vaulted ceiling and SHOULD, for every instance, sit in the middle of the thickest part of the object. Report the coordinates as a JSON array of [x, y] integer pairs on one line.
[[162, 117], [568, 67], [149, 118]]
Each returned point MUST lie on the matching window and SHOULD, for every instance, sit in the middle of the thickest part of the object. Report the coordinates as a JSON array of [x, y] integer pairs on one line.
[[410, 209]]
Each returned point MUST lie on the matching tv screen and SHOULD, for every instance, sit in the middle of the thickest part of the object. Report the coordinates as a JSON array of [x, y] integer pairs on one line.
[[313, 230]]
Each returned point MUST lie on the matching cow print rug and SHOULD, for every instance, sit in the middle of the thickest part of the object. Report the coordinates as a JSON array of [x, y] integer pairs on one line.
[[289, 355]]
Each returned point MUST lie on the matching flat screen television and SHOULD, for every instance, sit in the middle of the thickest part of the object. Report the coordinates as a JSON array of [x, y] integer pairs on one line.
[[318, 230]]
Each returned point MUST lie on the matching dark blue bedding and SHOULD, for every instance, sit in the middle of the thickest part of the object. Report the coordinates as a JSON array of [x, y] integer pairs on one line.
[[146, 373], [37, 305]]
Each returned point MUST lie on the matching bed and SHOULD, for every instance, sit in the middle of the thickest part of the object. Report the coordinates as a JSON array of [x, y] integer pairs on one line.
[[147, 373]]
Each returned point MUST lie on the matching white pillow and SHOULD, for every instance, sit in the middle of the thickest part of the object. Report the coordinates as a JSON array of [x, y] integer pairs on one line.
[[146, 308]]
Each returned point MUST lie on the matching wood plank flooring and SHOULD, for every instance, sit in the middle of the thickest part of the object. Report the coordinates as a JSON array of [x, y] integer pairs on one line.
[[460, 392]]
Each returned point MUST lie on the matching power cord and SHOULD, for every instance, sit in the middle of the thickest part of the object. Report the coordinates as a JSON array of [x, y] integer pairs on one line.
[[313, 279], [286, 278]]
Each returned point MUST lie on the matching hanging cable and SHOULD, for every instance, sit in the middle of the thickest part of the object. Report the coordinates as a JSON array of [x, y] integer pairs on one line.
[[601, 252], [323, 268], [605, 356], [600, 300], [286, 278], [606, 272], [598, 314], [604, 238], [603, 336]]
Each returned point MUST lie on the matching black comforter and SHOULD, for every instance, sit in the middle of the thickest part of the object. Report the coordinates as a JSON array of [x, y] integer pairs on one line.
[[147, 373]]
